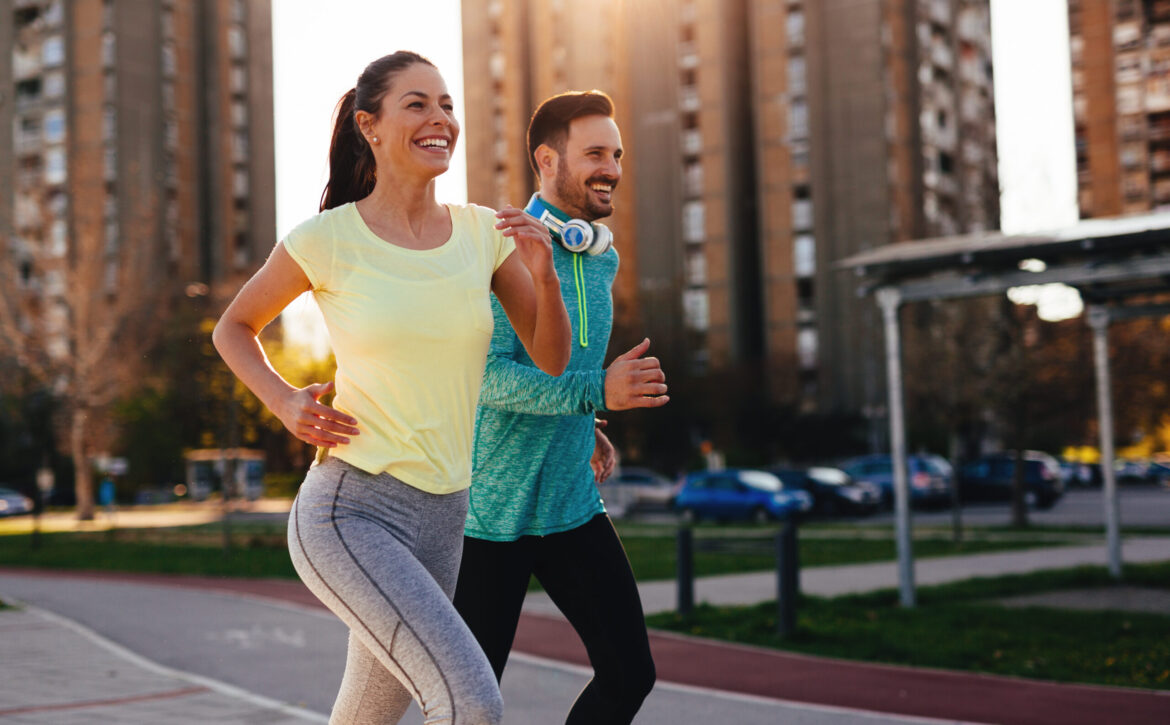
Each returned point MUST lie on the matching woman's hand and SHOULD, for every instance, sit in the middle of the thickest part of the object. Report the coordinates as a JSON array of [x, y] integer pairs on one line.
[[604, 456], [533, 243], [530, 291], [311, 421]]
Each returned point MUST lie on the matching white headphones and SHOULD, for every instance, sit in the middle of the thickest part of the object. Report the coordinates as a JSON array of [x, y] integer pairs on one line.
[[575, 235]]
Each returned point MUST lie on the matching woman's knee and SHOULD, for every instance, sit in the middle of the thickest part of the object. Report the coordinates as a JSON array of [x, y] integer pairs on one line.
[[484, 708]]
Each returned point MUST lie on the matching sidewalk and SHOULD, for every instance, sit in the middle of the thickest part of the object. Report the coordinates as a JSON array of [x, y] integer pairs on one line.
[[68, 674], [71, 675]]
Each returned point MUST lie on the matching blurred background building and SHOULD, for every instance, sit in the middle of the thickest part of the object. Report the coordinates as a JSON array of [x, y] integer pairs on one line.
[[1120, 53], [766, 139], [134, 128]]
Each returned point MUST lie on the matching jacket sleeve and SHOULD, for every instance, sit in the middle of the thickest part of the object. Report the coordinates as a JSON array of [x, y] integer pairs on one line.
[[512, 383]]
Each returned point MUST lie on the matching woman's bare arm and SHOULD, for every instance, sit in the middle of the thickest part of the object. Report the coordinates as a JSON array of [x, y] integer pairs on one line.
[[269, 291]]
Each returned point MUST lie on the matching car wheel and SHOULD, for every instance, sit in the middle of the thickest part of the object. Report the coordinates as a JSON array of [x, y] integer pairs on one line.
[[688, 516], [760, 515]]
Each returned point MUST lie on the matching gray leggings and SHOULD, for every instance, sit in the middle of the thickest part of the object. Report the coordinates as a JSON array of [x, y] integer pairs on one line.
[[384, 556]]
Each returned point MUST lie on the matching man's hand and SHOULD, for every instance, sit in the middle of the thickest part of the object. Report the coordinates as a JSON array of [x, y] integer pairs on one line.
[[604, 457], [633, 381]]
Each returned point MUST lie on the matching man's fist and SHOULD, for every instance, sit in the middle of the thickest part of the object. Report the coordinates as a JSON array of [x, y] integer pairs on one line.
[[633, 381]]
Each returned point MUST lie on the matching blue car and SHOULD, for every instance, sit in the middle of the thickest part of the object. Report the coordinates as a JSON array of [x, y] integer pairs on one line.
[[930, 477], [739, 494]]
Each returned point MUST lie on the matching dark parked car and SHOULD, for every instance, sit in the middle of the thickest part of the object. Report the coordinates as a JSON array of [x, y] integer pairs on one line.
[[833, 490], [739, 494], [929, 477], [989, 478]]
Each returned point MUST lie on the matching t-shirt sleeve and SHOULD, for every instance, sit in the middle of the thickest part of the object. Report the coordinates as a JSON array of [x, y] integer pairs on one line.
[[504, 247], [309, 248]]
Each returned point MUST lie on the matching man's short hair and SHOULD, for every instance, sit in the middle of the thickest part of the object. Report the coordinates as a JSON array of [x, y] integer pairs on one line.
[[550, 122]]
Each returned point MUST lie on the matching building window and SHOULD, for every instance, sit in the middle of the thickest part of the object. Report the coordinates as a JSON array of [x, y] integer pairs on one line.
[[798, 120], [54, 85], [109, 47], [696, 268], [802, 214], [692, 142], [236, 41], [58, 244], [697, 310], [55, 172], [804, 255], [109, 123], [239, 80], [795, 28], [53, 51], [796, 75], [168, 60], [693, 178], [693, 221], [806, 348], [240, 183], [54, 128], [239, 114]]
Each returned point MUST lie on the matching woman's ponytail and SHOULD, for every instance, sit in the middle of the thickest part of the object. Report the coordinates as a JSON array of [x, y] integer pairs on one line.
[[351, 161]]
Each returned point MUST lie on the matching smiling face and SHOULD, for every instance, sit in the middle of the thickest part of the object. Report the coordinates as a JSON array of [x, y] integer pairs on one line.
[[581, 180], [415, 130]]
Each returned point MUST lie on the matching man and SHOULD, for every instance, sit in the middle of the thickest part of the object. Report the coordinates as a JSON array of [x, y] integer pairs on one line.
[[534, 508]]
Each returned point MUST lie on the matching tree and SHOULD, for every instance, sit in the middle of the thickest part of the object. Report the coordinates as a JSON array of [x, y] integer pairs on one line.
[[82, 324]]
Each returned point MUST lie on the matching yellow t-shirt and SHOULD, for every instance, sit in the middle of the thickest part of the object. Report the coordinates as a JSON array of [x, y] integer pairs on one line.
[[410, 330]]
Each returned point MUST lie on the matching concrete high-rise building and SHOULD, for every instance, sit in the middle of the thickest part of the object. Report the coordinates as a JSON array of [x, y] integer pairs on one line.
[[766, 139], [1120, 53], [134, 127]]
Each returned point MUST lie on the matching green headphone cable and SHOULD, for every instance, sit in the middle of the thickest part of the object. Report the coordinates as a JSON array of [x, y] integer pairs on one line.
[[582, 305]]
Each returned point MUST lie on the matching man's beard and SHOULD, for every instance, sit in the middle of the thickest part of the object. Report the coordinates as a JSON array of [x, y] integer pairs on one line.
[[577, 195]]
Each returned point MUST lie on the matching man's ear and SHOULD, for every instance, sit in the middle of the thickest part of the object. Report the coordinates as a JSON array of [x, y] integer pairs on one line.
[[546, 158]]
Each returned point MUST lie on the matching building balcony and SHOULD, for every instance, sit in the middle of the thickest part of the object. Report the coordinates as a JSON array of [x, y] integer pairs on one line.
[[27, 64], [28, 144]]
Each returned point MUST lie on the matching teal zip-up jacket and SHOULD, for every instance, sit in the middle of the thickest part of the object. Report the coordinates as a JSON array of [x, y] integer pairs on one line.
[[533, 432]]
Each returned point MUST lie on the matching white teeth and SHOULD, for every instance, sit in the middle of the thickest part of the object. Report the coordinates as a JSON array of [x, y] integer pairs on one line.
[[439, 142], [606, 188]]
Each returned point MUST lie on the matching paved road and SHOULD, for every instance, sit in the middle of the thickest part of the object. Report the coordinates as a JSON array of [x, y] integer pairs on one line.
[[295, 654]]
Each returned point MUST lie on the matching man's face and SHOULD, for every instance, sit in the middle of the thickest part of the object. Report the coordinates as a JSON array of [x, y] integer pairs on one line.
[[589, 170]]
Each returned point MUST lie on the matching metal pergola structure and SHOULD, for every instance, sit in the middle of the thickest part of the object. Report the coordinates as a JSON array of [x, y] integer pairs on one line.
[[1118, 265]]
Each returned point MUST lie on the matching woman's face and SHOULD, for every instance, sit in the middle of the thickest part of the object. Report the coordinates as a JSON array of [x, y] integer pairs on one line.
[[415, 128]]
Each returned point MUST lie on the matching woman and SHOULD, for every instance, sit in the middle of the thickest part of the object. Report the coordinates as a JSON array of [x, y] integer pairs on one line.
[[402, 281]]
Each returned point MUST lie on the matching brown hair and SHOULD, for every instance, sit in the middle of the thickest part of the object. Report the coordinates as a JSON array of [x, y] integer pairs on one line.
[[550, 122], [352, 170]]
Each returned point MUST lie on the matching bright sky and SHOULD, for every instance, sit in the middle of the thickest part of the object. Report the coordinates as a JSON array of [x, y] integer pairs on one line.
[[319, 49]]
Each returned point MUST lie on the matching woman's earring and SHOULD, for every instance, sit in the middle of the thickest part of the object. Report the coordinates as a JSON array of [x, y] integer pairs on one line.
[[375, 139]]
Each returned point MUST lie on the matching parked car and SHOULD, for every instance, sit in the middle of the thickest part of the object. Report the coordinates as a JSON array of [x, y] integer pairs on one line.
[[1074, 473], [637, 489], [989, 478], [833, 491], [930, 481], [13, 503], [739, 494]]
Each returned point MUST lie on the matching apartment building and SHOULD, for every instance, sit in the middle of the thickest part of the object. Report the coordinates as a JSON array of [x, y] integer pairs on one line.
[[766, 139], [135, 142], [1120, 54]]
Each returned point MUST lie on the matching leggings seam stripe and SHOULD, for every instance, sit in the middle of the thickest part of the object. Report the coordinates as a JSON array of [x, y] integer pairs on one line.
[[328, 586], [401, 620]]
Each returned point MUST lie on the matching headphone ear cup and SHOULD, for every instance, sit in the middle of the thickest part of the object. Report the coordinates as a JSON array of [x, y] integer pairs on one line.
[[576, 235], [602, 240]]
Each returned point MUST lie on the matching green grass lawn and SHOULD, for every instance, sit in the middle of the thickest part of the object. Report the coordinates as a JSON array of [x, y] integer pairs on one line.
[[958, 626]]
